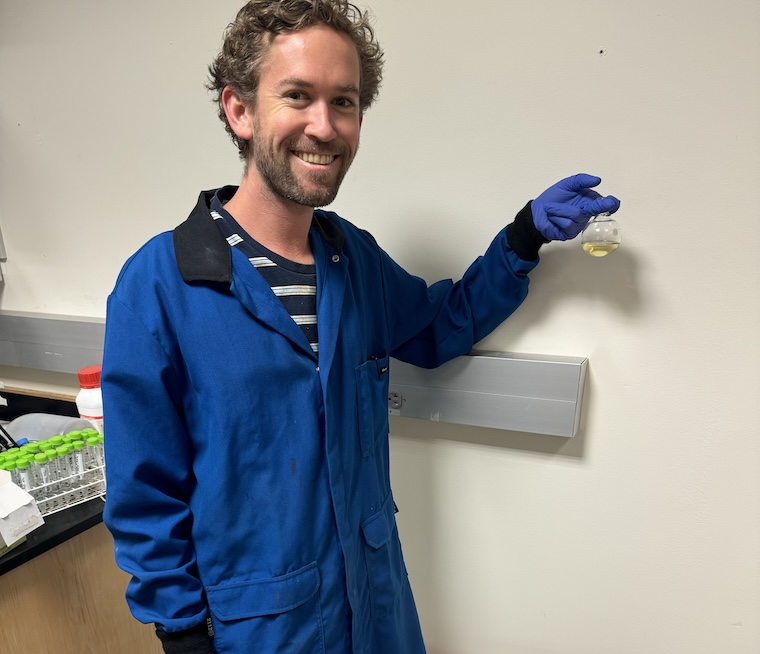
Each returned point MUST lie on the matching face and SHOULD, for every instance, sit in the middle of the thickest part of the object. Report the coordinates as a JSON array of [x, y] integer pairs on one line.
[[306, 120]]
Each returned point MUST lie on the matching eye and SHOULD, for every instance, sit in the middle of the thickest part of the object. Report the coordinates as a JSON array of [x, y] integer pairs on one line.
[[346, 103], [296, 96]]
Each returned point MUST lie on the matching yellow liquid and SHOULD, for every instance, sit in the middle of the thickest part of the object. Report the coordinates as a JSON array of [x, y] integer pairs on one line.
[[601, 249]]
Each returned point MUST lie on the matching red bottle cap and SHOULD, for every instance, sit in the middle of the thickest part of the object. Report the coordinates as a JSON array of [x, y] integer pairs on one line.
[[89, 377]]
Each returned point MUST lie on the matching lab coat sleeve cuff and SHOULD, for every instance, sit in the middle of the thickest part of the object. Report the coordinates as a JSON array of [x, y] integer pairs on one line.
[[523, 237]]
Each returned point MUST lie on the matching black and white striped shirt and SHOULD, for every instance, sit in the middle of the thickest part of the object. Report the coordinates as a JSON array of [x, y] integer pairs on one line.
[[294, 283]]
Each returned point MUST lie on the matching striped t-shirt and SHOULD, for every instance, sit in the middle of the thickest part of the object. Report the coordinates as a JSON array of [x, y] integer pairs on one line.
[[294, 283]]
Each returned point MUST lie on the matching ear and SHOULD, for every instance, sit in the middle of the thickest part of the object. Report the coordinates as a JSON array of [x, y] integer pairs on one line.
[[238, 115]]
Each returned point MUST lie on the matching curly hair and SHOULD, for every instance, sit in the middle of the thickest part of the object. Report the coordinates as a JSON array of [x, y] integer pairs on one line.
[[247, 41]]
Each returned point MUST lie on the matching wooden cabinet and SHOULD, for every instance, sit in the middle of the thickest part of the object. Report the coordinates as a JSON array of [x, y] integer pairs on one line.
[[70, 600]]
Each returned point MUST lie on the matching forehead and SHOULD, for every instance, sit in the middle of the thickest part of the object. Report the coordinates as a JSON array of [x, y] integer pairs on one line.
[[317, 54]]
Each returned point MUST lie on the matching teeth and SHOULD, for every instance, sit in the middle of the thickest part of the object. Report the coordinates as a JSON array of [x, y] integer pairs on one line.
[[308, 157]]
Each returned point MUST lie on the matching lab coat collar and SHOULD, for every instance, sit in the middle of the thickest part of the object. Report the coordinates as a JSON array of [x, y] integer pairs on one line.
[[202, 252]]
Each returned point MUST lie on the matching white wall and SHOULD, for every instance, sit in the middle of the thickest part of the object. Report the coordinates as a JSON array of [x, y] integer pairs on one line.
[[642, 534]]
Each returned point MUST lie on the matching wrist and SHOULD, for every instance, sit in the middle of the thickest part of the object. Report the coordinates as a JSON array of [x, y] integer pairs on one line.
[[523, 236]]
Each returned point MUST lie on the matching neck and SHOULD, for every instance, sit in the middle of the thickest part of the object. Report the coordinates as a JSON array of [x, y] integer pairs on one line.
[[277, 223]]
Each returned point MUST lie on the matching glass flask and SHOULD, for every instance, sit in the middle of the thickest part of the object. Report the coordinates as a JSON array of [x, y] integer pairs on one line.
[[601, 235]]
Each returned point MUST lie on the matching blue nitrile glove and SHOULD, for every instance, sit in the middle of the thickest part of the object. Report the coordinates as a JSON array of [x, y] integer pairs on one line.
[[562, 211]]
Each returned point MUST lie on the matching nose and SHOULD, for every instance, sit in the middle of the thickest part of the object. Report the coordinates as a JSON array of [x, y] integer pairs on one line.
[[319, 124]]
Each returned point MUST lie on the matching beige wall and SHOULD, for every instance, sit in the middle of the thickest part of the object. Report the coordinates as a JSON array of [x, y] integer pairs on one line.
[[642, 534]]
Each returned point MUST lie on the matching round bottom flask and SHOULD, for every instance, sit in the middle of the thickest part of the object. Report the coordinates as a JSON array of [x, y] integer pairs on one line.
[[601, 236]]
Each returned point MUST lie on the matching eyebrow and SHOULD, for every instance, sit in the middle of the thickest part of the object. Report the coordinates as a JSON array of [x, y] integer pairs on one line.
[[302, 83]]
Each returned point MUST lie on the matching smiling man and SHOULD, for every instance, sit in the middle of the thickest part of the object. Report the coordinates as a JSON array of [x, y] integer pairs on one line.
[[303, 125], [250, 496]]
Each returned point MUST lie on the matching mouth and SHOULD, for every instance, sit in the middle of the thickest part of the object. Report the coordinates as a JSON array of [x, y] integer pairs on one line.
[[313, 158]]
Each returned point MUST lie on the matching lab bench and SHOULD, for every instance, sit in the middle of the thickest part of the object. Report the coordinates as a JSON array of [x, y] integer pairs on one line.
[[60, 590], [58, 528]]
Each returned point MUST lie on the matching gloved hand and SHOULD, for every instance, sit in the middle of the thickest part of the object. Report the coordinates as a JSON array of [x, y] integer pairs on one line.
[[562, 211]]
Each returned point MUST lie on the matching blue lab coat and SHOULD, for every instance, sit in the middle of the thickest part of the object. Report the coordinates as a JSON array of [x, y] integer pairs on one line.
[[248, 481]]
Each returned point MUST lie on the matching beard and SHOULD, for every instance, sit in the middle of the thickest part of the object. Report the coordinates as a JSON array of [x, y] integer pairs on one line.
[[312, 189]]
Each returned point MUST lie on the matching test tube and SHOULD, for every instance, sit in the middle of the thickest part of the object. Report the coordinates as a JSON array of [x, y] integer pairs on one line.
[[55, 499], [10, 466], [22, 469], [41, 475], [96, 463], [63, 470]]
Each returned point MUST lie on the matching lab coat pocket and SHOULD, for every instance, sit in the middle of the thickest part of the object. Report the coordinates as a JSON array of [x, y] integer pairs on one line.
[[385, 562], [372, 402], [268, 612]]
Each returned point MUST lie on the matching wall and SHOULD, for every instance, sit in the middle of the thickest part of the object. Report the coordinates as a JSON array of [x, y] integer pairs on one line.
[[642, 534]]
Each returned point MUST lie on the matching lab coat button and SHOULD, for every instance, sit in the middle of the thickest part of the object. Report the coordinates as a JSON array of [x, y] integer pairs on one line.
[[336, 258]]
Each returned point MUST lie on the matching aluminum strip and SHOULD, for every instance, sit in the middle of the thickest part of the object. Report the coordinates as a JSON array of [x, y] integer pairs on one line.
[[52, 342], [517, 392]]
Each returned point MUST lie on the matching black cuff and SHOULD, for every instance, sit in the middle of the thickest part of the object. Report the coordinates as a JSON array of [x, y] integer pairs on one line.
[[191, 641], [523, 237]]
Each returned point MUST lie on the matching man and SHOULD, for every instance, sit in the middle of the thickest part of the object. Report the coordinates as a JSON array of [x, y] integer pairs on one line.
[[245, 374]]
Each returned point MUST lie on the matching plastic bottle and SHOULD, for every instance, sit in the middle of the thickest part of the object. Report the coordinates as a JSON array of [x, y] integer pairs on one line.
[[89, 400]]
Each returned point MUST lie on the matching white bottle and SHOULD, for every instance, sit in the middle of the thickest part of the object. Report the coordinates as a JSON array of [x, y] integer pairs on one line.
[[89, 400]]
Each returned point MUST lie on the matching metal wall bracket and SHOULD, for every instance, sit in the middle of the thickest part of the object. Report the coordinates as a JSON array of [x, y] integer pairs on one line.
[[50, 342], [518, 392]]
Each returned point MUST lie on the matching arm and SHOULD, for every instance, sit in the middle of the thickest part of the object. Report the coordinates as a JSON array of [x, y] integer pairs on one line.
[[150, 480], [430, 325], [437, 323]]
